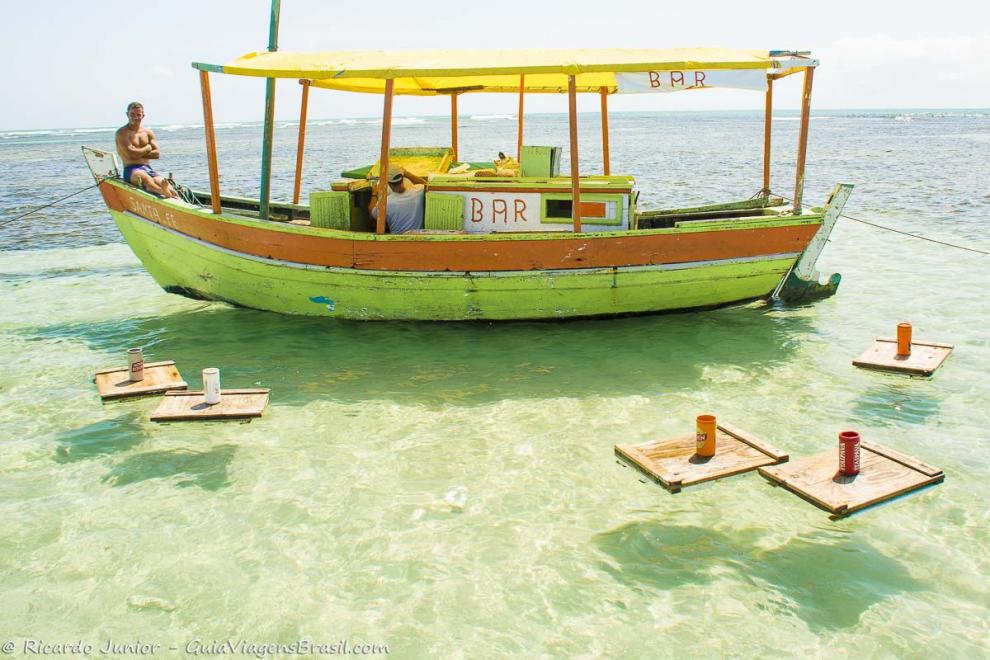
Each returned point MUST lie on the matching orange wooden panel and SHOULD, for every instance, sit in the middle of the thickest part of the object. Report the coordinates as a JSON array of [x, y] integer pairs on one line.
[[593, 209]]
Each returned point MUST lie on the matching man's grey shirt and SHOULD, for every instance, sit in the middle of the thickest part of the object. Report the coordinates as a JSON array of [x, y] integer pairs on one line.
[[405, 209]]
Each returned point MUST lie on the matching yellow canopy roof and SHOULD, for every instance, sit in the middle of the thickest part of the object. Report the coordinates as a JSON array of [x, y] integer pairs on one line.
[[430, 72]]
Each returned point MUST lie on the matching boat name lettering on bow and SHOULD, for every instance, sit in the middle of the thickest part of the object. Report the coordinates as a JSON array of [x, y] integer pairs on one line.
[[163, 216], [143, 208]]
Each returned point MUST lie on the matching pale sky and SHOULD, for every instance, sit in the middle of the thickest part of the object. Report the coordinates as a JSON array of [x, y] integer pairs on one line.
[[77, 64]]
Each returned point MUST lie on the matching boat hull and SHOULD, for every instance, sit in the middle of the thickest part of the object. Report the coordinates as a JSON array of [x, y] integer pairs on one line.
[[293, 269], [200, 269]]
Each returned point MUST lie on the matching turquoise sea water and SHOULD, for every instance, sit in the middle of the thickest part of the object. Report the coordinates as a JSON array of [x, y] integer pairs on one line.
[[450, 489]]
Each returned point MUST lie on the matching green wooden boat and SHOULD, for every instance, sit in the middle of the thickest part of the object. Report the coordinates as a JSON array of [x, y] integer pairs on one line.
[[498, 247]]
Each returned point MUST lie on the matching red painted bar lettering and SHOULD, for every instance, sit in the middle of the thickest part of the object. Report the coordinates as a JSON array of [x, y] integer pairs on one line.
[[477, 208], [676, 78], [499, 207], [699, 78], [654, 79], [520, 205]]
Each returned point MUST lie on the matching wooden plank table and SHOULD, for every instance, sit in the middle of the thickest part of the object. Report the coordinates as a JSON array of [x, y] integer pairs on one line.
[[925, 357], [158, 377], [192, 406], [674, 464], [883, 475]]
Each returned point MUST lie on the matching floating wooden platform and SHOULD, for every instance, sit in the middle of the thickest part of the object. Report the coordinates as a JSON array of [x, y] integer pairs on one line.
[[158, 377], [192, 406], [673, 464], [925, 357], [883, 475]]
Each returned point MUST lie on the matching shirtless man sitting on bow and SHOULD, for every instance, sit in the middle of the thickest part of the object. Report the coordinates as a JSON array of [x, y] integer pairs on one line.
[[136, 146]]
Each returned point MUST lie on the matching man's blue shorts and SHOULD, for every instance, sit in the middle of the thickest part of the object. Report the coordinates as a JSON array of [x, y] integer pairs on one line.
[[131, 169]]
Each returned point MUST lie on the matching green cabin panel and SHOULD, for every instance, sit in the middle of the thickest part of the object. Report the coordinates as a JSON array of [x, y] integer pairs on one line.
[[536, 161], [330, 209], [341, 209], [444, 212]]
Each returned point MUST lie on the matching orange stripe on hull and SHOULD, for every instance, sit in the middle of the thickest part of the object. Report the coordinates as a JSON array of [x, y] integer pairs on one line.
[[643, 250], [467, 253]]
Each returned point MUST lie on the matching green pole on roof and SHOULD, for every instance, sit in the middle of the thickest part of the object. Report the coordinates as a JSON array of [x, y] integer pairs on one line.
[[266, 142]]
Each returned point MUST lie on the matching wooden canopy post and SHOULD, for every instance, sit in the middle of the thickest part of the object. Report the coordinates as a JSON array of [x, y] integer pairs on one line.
[[383, 159], [266, 149], [809, 74], [211, 141], [453, 125], [302, 139], [575, 177], [266, 142], [604, 93], [767, 121], [522, 88]]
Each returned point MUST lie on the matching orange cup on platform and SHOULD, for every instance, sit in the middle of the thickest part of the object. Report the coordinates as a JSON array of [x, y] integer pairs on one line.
[[705, 435], [903, 339]]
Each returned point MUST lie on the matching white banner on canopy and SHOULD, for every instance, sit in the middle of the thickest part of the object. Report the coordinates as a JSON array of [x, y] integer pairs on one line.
[[677, 81]]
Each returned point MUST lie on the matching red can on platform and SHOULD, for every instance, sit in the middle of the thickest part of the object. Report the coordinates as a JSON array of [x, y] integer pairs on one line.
[[849, 453]]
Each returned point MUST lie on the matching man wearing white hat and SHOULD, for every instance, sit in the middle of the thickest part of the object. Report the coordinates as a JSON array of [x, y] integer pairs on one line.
[[406, 201]]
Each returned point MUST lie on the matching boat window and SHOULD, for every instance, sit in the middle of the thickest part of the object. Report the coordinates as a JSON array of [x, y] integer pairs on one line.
[[558, 208]]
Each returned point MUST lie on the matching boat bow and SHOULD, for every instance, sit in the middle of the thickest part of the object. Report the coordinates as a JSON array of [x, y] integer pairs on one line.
[[804, 283]]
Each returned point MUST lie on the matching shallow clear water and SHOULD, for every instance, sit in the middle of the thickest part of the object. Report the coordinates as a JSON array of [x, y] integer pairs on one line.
[[450, 489]]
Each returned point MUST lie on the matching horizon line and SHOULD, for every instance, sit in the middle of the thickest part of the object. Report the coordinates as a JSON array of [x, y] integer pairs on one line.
[[515, 114]]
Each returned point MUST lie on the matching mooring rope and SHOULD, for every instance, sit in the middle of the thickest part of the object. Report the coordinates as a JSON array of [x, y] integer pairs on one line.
[[61, 199], [904, 233], [891, 229]]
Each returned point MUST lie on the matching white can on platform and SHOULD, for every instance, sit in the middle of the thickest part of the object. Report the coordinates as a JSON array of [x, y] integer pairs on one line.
[[211, 385], [135, 359]]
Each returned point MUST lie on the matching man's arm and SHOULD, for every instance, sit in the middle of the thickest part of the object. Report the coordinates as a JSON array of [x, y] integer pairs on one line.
[[412, 177], [129, 151], [153, 143]]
